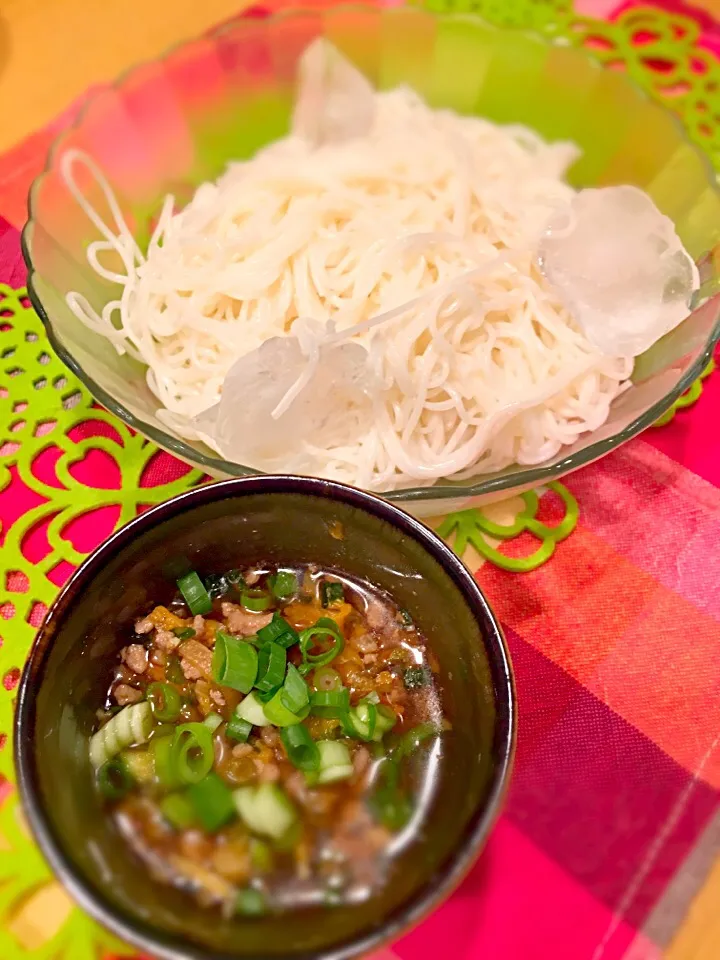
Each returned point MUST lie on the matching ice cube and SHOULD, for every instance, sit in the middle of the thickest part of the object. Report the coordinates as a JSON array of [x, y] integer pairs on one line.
[[332, 408], [619, 267], [335, 102]]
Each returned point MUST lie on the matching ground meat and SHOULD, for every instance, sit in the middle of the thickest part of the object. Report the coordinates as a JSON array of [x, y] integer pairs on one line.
[[242, 622], [366, 644], [135, 656], [165, 640], [191, 672], [381, 620], [217, 698], [144, 626], [267, 772], [124, 694], [251, 577], [199, 657], [270, 736], [158, 657], [369, 659], [361, 760], [198, 626], [242, 750]]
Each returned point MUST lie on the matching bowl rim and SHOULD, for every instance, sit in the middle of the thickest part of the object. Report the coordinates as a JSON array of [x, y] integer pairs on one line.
[[457, 864], [511, 478]]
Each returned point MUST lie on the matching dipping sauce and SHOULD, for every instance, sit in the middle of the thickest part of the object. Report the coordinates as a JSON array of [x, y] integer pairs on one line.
[[269, 737]]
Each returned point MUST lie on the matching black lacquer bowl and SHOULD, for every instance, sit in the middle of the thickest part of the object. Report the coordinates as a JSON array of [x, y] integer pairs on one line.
[[234, 523]]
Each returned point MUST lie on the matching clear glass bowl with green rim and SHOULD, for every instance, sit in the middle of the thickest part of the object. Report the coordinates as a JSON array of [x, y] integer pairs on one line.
[[169, 125]]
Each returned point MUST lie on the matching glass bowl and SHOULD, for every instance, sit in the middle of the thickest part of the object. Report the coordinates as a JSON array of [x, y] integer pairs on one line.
[[167, 126]]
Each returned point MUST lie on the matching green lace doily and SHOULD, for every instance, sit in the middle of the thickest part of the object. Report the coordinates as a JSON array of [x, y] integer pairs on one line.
[[43, 410], [658, 50]]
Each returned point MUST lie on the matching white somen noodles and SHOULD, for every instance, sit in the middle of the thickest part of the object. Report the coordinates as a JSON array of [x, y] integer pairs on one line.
[[475, 375]]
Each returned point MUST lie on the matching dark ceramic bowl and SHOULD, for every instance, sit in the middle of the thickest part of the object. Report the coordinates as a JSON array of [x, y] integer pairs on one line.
[[214, 527]]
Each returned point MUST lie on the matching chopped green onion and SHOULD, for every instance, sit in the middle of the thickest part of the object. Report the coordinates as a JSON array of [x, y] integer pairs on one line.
[[184, 633], [295, 695], [330, 704], [252, 711], [192, 753], [164, 700], [161, 748], [195, 594], [326, 679], [391, 807], [174, 672], [255, 600], [261, 855], [271, 662], [323, 628], [416, 677], [278, 714], [411, 740], [114, 779], [331, 593], [212, 721], [250, 903], [238, 729], [213, 802], [386, 720], [140, 764], [335, 762], [265, 696], [360, 721], [178, 811], [216, 585], [278, 631], [283, 584], [234, 663], [265, 810], [301, 749], [405, 617]]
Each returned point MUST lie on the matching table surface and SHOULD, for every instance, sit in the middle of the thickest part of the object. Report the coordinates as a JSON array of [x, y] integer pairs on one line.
[[44, 67]]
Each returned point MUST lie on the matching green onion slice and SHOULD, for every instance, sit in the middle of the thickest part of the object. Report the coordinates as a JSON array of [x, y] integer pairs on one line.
[[265, 810], [326, 679], [278, 714], [301, 749], [331, 593], [238, 729], [324, 628], [411, 740], [250, 903], [212, 721], [252, 711], [114, 780], [391, 807], [184, 633], [295, 695], [164, 700], [195, 594], [271, 662], [284, 584], [212, 801], [360, 721], [178, 811], [330, 704], [192, 753], [278, 631], [255, 600], [161, 748], [234, 663], [335, 762]]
